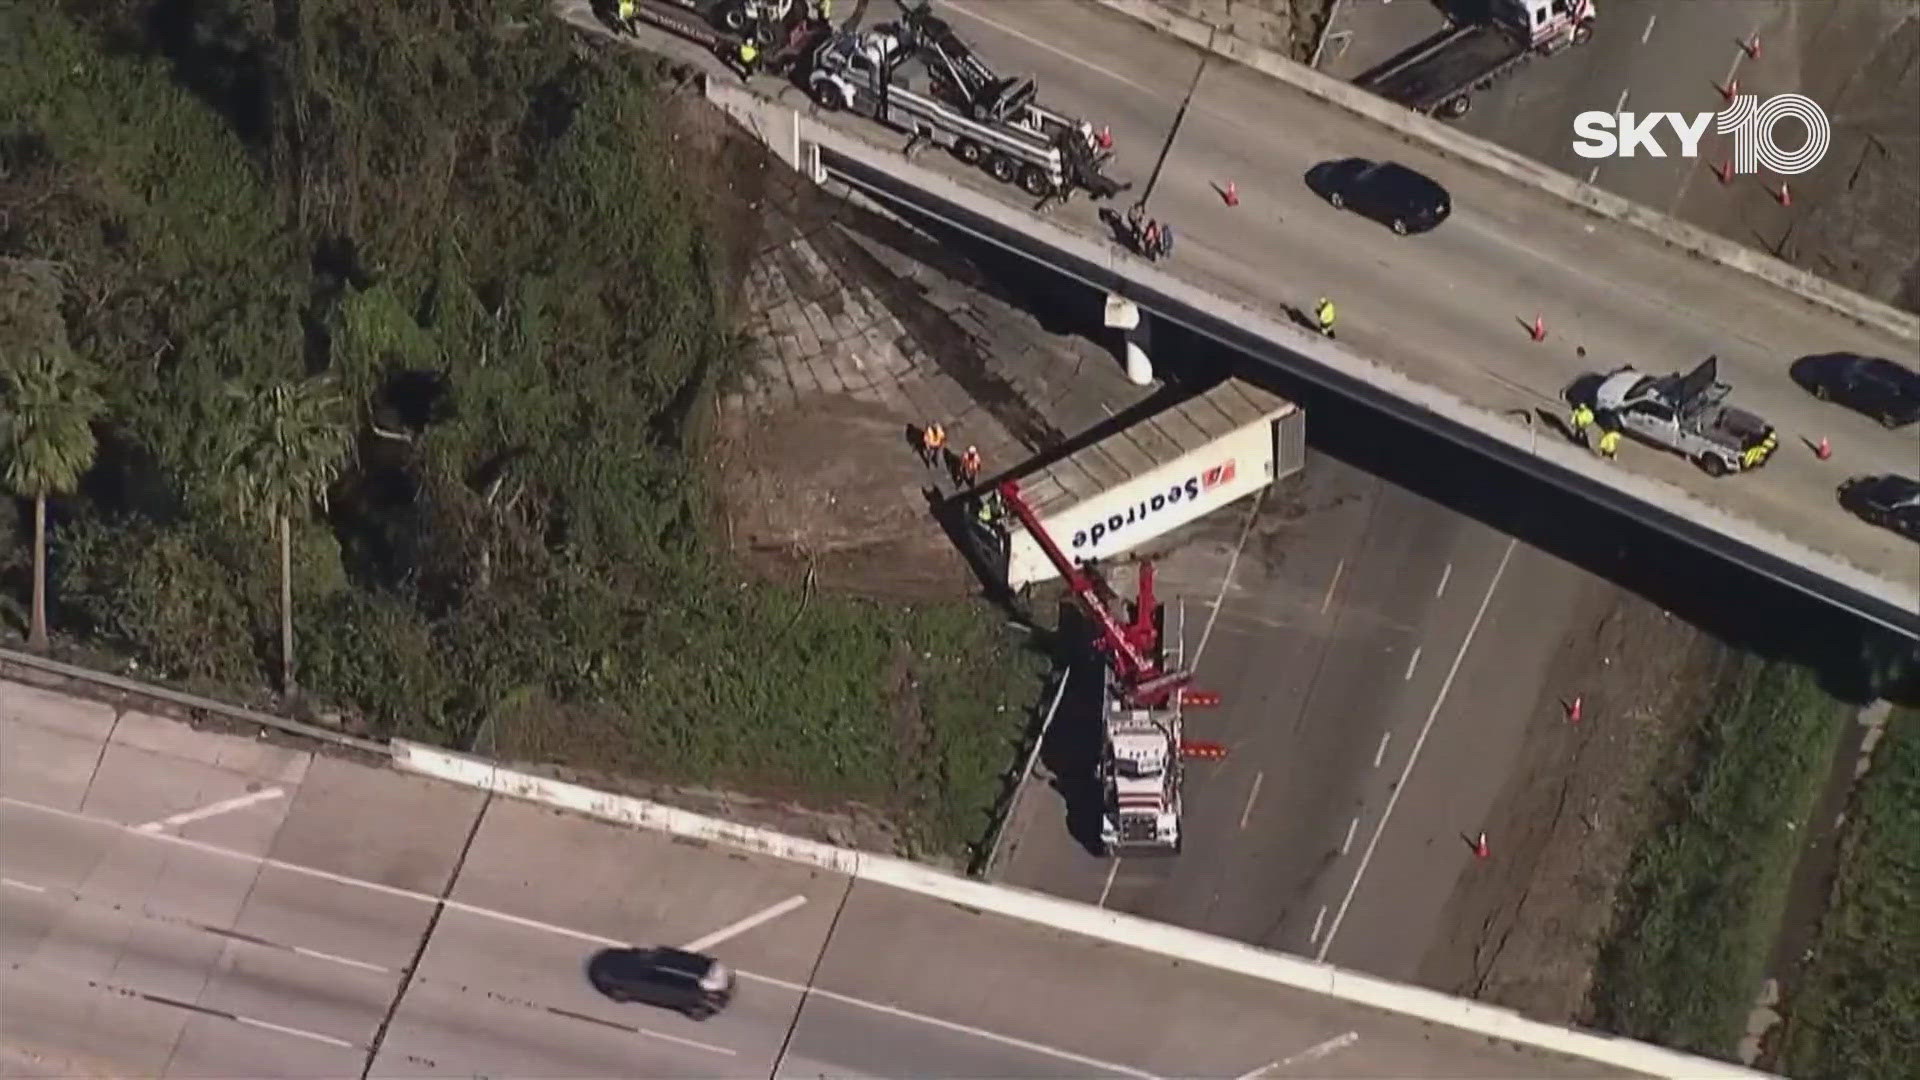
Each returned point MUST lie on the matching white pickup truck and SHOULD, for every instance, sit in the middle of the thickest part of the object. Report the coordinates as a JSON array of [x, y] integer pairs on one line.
[[1686, 414]]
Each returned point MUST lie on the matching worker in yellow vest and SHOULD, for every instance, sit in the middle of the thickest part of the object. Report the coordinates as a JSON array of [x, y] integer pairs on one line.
[[1323, 314]]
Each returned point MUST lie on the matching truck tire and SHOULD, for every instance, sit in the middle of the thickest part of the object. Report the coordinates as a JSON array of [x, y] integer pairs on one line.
[[1583, 33], [1456, 107], [733, 17], [967, 151], [1714, 465], [1034, 181], [1002, 168], [827, 96]]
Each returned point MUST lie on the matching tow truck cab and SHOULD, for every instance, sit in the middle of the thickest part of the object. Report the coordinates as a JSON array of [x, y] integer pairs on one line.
[[1546, 25]]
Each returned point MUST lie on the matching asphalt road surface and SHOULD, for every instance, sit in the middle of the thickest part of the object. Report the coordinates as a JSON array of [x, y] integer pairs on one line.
[[1377, 655], [1450, 307], [181, 903]]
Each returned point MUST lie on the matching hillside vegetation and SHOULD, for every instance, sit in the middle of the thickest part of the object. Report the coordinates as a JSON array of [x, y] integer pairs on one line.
[[436, 285]]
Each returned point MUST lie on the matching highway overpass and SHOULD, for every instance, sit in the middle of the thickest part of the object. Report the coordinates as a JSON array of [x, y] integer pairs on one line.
[[1433, 328], [181, 902]]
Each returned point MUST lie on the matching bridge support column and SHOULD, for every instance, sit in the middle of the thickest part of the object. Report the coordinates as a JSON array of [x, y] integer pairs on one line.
[[1124, 315]]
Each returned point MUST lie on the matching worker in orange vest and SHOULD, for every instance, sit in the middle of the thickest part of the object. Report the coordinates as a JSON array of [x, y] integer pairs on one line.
[[933, 439], [970, 465]]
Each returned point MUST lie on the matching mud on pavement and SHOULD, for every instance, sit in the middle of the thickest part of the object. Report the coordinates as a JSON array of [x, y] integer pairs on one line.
[[1525, 927]]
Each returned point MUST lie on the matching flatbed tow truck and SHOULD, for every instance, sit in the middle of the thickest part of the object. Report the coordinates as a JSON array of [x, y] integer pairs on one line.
[[1438, 75]]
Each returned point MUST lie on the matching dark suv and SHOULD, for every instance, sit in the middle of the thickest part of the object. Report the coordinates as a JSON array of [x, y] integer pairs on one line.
[[696, 985], [1389, 193]]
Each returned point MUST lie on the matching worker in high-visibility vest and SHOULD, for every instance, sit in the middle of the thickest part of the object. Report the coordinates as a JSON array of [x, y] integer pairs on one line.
[[628, 9], [823, 10], [1609, 443], [749, 58], [1582, 420], [933, 439], [970, 465], [1323, 314]]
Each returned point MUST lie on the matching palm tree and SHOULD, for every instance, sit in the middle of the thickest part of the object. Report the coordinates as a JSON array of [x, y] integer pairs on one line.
[[47, 406], [276, 451]]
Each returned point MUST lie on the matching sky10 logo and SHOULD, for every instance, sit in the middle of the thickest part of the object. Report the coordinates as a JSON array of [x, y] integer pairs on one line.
[[1751, 122]]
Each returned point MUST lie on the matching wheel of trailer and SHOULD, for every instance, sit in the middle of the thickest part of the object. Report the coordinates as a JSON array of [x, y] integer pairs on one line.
[[1002, 168], [1583, 33], [968, 151], [1456, 107], [1033, 181], [1714, 464], [1399, 227], [827, 96], [734, 17], [1336, 200]]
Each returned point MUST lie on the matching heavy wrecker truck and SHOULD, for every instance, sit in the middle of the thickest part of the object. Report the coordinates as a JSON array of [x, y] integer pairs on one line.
[[1437, 76], [1143, 709], [917, 76]]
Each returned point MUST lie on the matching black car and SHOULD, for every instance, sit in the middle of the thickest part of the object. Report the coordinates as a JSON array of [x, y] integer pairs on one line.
[[1391, 194], [696, 985], [1888, 500], [1880, 388]]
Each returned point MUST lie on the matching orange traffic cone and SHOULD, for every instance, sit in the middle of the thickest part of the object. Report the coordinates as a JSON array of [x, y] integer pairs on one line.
[[1730, 91], [1751, 46], [1783, 196], [1106, 138], [1573, 710], [1480, 849], [1230, 194], [1822, 449], [1538, 331], [1724, 171]]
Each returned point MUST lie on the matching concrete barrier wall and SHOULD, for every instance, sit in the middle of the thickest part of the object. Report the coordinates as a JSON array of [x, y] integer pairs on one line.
[[1107, 266], [1498, 159], [1069, 916]]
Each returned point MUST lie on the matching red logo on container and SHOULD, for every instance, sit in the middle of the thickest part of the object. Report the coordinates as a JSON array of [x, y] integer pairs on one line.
[[1214, 477]]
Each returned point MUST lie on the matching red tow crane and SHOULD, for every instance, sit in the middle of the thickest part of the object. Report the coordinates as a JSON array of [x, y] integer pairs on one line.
[[1132, 648]]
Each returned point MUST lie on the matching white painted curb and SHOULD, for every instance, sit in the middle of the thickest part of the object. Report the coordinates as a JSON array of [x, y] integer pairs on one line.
[[789, 127], [1499, 159], [1070, 917]]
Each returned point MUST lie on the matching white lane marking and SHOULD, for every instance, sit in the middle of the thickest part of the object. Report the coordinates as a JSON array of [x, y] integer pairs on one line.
[[1445, 576], [12, 884], [1220, 599], [1648, 32], [736, 929], [1347, 844], [578, 935], [1622, 103], [1338, 569], [1112, 872], [1251, 795], [1054, 49], [948, 1025], [294, 1031], [334, 958], [1412, 662], [1317, 921], [1400, 787], [1310, 1054], [1381, 754], [224, 806], [79, 899]]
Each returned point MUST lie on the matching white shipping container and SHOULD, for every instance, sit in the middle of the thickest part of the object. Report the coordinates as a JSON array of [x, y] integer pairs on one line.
[[1185, 489]]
